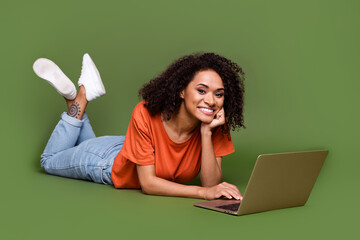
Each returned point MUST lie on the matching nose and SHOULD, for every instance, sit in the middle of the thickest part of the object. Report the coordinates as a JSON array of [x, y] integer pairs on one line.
[[209, 100]]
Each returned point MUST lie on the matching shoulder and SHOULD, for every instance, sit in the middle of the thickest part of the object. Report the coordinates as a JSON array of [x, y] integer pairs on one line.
[[142, 117], [140, 110]]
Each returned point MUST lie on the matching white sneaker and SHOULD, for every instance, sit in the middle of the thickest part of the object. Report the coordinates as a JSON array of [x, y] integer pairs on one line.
[[49, 71], [90, 78]]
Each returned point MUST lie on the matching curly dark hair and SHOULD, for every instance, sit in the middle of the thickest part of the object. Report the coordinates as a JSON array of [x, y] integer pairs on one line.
[[162, 93]]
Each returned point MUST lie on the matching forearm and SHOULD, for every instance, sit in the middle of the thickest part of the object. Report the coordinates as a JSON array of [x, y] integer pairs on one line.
[[151, 184], [211, 173], [163, 187]]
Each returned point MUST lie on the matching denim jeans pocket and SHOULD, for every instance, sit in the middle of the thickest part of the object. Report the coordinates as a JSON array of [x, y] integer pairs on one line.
[[102, 146]]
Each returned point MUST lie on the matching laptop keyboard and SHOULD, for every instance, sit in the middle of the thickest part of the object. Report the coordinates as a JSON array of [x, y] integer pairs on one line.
[[231, 207]]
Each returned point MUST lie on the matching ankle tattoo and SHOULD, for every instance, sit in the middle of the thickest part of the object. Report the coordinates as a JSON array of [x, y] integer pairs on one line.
[[74, 110]]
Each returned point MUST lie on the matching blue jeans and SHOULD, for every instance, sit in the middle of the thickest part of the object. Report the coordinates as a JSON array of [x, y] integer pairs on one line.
[[73, 151]]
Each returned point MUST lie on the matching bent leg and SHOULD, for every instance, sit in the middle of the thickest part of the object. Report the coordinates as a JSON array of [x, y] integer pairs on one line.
[[86, 131], [70, 130], [64, 136]]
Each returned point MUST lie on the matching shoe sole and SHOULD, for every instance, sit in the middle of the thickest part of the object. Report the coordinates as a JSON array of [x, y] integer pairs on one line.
[[49, 71]]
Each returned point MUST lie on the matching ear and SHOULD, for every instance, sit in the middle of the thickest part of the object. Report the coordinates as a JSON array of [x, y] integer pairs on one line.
[[182, 94]]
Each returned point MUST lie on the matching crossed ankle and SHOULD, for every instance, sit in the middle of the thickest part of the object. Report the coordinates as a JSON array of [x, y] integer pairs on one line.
[[76, 110]]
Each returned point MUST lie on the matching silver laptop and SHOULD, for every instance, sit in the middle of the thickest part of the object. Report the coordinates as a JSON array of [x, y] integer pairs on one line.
[[277, 181]]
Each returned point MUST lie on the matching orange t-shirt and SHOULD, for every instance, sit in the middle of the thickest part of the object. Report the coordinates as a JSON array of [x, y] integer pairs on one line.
[[147, 142]]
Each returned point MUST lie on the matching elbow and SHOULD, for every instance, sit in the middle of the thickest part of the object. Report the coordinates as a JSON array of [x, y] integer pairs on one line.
[[147, 178], [147, 188]]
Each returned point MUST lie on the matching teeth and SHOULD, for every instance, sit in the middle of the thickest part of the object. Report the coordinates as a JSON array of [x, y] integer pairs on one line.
[[206, 110]]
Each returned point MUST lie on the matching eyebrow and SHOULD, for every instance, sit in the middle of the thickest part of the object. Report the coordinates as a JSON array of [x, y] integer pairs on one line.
[[204, 85]]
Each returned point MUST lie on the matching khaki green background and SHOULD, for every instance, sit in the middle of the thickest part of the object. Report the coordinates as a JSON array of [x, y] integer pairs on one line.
[[301, 60]]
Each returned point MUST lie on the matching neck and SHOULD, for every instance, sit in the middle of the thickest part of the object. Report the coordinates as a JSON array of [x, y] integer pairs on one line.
[[182, 124]]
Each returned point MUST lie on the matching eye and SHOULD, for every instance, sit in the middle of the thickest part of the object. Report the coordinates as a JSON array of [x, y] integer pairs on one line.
[[219, 95], [201, 91]]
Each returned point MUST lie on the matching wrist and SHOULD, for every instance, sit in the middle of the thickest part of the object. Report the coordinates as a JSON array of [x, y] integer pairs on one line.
[[201, 192], [206, 130]]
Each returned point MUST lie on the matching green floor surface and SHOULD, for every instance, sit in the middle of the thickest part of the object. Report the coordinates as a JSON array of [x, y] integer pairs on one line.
[[301, 60]]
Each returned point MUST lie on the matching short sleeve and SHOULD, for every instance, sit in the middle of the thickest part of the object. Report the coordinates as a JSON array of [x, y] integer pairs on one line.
[[222, 143], [138, 146]]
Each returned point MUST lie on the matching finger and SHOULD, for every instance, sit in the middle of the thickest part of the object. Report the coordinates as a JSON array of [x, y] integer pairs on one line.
[[222, 112], [225, 184], [220, 115], [231, 194], [233, 188], [226, 194], [230, 189], [222, 120], [234, 194]]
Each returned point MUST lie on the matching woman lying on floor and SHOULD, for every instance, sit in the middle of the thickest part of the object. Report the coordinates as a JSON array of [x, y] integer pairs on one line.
[[182, 127]]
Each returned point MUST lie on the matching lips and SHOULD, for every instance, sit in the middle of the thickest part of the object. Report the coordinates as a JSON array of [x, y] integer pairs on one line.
[[206, 111]]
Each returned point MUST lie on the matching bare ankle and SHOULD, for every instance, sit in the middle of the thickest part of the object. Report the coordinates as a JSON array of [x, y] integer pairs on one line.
[[82, 93], [76, 107], [69, 102], [76, 110]]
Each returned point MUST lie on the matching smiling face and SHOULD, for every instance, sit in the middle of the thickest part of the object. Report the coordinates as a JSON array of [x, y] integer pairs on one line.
[[204, 96]]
